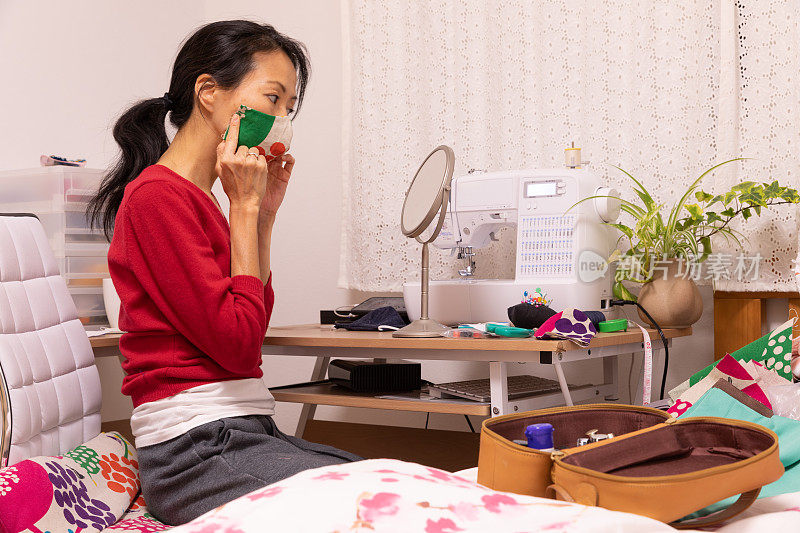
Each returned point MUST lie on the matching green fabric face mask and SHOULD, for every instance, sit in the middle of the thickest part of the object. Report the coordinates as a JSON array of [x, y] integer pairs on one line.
[[269, 134]]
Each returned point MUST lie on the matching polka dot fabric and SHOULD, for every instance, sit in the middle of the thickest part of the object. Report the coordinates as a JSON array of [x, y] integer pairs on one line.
[[570, 324], [679, 408], [270, 135], [777, 355], [772, 350]]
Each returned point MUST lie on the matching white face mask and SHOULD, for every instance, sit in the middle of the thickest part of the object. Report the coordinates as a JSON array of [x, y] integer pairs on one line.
[[269, 134]]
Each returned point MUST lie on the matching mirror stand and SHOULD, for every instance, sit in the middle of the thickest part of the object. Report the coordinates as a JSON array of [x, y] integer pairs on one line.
[[423, 326]]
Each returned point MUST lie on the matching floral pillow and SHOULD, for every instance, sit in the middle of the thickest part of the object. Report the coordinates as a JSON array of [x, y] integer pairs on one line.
[[88, 488], [137, 520]]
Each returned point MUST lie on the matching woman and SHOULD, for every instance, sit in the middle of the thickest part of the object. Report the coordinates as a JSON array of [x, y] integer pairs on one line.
[[196, 290]]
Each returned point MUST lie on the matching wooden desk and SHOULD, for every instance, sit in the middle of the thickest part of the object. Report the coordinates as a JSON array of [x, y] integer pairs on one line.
[[325, 342]]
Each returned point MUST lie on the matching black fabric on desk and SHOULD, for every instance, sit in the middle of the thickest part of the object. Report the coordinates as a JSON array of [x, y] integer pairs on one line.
[[529, 316], [383, 316]]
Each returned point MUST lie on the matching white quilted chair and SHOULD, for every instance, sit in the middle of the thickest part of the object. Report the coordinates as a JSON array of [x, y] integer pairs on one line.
[[50, 387]]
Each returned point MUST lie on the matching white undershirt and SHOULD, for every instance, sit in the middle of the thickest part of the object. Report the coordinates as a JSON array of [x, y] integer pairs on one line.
[[170, 417]]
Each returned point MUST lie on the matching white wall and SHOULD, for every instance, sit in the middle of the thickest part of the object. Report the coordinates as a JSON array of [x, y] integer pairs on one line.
[[69, 68]]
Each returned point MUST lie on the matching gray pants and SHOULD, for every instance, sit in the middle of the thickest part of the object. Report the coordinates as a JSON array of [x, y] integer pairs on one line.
[[217, 462]]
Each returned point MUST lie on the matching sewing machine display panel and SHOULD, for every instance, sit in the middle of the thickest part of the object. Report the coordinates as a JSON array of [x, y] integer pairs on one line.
[[537, 189]]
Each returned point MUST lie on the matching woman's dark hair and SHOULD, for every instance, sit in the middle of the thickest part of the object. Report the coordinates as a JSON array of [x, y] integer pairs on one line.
[[224, 50]]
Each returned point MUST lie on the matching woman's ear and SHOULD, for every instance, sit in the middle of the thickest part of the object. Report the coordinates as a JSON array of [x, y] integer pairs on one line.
[[205, 89]]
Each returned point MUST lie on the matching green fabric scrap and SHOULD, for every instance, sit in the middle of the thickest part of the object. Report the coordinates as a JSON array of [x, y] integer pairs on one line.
[[773, 350]]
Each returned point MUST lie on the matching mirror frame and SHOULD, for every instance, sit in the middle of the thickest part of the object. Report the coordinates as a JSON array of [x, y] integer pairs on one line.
[[440, 202]]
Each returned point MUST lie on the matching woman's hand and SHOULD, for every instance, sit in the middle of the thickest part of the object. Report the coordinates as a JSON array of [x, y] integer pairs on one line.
[[280, 170], [243, 174]]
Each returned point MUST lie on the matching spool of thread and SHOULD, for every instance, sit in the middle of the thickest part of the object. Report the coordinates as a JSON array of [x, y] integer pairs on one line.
[[572, 157], [540, 436], [595, 317]]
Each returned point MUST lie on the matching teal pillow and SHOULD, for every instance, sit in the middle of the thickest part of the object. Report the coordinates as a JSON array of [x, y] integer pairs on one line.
[[716, 403]]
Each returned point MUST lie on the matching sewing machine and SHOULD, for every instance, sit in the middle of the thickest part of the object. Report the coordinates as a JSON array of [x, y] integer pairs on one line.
[[560, 252]]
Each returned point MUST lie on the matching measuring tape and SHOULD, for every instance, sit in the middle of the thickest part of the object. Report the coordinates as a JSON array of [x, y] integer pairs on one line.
[[647, 367]]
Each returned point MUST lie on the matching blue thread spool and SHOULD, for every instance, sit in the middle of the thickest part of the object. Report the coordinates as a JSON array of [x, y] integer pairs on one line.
[[540, 437]]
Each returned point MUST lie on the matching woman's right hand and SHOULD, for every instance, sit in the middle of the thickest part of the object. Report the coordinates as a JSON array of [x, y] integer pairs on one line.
[[243, 177]]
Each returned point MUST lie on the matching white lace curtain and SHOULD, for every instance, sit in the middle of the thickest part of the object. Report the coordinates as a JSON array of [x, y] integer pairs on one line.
[[663, 89]]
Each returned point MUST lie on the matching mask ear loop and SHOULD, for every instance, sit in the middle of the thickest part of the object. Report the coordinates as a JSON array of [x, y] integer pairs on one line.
[[200, 107]]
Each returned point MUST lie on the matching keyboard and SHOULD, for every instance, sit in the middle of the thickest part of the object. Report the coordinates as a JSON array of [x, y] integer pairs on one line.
[[479, 391]]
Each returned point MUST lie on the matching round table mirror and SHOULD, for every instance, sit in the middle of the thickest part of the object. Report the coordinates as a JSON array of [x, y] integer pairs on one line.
[[424, 210]]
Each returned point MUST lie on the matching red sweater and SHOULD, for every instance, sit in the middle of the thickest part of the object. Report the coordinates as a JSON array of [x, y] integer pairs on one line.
[[187, 321]]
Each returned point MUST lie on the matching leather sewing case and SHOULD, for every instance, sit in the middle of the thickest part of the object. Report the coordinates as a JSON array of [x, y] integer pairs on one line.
[[656, 466], [501, 461]]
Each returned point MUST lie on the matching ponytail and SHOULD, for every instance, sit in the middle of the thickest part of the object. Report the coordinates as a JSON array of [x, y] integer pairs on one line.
[[224, 50], [142, 136]]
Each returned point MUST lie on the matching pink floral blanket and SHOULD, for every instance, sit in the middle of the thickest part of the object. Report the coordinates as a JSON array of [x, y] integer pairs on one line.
[[389, 495]]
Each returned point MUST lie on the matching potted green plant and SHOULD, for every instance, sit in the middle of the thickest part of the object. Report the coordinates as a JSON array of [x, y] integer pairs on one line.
[[665, 248]]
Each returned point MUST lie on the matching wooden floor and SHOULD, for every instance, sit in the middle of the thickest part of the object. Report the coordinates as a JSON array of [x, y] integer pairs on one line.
[[122, 426], [448, 450]]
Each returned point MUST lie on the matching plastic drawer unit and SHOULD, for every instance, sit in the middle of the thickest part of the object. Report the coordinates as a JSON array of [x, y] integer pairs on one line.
[[59, 196]]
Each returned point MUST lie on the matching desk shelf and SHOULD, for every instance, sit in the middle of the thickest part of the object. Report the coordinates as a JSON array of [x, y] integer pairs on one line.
[[330, 394]]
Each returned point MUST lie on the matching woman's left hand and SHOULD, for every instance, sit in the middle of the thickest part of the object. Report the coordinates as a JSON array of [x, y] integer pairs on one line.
[[279, 172]]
